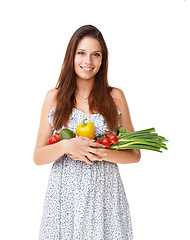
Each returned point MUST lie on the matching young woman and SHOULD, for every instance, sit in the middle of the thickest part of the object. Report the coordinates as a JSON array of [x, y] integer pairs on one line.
[[85, 198]]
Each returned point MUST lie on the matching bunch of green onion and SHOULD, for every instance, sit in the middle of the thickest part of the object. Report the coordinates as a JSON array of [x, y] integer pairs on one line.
[[144, 139]]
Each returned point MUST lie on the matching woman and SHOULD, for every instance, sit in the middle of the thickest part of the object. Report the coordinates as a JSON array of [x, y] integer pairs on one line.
[[85, 198]]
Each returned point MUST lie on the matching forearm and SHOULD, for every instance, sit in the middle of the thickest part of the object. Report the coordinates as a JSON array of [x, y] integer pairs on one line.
[[123, 156], [49, 153]]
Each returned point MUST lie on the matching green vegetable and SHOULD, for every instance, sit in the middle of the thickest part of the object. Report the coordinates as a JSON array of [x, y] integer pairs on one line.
[[66, 134], [143, 139], [122, 131]]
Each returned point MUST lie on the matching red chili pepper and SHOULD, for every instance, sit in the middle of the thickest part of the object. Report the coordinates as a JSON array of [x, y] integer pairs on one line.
[[106, 142], [54, 139]]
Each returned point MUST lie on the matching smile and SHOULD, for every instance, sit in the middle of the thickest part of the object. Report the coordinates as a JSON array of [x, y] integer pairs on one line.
[[86, 68]]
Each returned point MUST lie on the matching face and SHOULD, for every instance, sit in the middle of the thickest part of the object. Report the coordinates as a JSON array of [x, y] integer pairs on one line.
[[88, 58]]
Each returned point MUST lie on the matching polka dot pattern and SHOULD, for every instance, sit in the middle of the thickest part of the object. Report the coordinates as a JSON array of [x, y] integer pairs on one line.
[[83, 201]]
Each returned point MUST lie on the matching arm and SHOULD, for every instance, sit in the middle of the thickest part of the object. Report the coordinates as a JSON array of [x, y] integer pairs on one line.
[[44, 153], [84, 148], [124, 156]]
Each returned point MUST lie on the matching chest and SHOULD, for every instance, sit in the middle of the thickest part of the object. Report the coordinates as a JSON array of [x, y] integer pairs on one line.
[[78, 116], [83, 106]]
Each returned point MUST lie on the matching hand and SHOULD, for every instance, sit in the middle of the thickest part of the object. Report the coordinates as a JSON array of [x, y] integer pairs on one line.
[[78, 158], [84, 149]]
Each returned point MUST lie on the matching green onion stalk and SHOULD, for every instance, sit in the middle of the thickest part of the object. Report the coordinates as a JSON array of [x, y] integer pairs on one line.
[[144, 139]]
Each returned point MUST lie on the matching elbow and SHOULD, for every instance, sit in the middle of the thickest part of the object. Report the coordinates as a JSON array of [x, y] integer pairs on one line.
[[134, 156], [36, 162], [138, 155], [35, 159]]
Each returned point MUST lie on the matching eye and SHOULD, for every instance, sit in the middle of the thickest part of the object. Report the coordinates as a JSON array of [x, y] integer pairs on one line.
[[80, 53], [96, 54]]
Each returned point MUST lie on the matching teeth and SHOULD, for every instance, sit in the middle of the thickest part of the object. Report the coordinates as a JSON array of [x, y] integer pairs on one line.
[[88, 69]]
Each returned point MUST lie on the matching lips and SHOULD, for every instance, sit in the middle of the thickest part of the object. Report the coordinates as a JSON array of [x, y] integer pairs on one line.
[[87, 68]]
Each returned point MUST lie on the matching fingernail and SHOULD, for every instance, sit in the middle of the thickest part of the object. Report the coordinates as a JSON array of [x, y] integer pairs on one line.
[[105, 154]]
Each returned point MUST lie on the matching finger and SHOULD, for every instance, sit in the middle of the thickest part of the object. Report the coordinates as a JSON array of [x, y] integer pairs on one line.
[[91, 142], [74, 157], [93, 157], [97, 151], [83, 138], [94, 151], [87, 160], [96, 145]]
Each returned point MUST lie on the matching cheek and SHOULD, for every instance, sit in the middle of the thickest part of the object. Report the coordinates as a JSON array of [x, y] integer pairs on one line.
[[76, 60], [76, 63], [98, 63]]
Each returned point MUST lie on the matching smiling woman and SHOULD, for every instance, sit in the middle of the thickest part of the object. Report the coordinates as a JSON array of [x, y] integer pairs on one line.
[[88, 51], [85, 199]]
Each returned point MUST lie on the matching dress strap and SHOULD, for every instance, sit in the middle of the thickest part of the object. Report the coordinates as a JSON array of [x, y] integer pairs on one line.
[[50, 115]]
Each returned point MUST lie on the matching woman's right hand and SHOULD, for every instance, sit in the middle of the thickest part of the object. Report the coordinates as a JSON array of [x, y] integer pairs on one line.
[[85, 149]]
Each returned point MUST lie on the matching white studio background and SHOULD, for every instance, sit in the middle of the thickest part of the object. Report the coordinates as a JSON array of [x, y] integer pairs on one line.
[[149, 59]]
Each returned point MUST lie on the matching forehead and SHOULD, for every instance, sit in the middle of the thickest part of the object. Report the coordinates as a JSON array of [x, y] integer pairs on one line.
[[89, 44]]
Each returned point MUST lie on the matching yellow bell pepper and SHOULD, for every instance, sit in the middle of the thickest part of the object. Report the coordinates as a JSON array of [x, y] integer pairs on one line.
[[86, 129]]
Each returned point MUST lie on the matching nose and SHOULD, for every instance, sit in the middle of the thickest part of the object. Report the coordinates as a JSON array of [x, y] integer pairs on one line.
[[88, 59]]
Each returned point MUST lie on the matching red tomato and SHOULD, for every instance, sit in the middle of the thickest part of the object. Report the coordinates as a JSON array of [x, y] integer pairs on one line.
[[57, 136], [113, 139], [108, 134], [54, 139], [106, 142], [98, 141]]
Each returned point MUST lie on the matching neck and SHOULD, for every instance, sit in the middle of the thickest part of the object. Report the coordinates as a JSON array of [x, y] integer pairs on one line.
[[84, 87]]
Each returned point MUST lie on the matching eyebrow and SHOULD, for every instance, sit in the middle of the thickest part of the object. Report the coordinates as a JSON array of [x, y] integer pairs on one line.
[[84, 50]]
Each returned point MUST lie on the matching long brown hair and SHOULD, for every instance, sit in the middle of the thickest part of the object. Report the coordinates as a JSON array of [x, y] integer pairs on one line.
[[100, 99]]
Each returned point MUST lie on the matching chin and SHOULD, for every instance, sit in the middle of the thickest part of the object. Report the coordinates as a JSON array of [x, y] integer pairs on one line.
[[85, 76]]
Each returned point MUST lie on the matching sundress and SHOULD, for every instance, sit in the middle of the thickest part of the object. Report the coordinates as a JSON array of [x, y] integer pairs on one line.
[[85, 201]]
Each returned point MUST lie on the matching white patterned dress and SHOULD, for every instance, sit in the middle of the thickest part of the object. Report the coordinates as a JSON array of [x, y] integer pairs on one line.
[[85, 201]]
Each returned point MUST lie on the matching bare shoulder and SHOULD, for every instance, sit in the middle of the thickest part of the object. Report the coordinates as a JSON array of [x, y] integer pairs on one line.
[[51, 95], [49, 101], [50, 98], [118, 96]]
